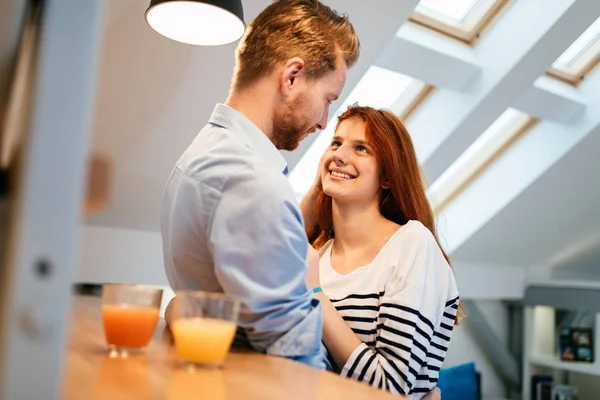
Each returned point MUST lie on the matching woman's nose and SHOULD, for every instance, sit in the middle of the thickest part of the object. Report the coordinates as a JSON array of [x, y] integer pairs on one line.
[[340, 157]]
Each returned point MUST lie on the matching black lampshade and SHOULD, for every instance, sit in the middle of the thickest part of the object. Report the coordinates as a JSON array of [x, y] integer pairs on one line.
[[206, 23]]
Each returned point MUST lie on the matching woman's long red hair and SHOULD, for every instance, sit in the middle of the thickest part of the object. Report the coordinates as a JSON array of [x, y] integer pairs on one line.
[[405, 199]]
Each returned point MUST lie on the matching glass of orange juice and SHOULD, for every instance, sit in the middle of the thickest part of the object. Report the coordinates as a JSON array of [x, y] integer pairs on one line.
[[204, 327], [129, 315]]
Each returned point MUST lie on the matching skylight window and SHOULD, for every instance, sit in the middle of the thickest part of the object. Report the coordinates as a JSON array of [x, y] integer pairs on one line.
[[511, 126], [580, 58], [410, 99], [460, 19], [378, 88], [456, 10]]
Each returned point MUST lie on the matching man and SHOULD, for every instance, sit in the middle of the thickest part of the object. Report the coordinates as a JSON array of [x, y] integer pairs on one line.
[[230, 221]]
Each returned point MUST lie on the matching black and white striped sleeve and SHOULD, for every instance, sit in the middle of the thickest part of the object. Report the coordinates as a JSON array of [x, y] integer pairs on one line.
[[414, 324]]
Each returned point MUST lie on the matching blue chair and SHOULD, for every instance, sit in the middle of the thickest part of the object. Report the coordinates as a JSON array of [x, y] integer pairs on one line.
[[461, 382]]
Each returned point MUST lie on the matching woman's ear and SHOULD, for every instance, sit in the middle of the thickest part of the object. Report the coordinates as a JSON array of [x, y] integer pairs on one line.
[[385, 184]]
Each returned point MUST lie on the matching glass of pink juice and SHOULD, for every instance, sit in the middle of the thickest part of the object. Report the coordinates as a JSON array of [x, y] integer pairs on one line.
[[129, 316], [204, 327]]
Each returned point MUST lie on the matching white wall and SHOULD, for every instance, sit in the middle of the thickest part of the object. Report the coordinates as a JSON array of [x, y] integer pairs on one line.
[[121, 256], [477, 281], [464, 349]]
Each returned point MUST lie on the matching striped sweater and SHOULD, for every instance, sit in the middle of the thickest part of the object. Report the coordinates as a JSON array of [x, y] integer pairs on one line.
[[402, 306]]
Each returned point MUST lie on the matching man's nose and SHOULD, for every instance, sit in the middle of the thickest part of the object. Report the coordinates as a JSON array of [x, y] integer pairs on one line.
[[322, 124]]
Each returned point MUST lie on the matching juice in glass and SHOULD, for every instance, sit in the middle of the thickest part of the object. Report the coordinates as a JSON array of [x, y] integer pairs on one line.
[[203, 340], [129, 326], [204, 327], [129, 315]]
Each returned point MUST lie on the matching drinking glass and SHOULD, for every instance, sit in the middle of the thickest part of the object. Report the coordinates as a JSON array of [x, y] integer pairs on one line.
[[204, 327], [129, 316]]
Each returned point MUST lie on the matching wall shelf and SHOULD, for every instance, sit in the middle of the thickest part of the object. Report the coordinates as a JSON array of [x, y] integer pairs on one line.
[[572, 366], [541, 301]]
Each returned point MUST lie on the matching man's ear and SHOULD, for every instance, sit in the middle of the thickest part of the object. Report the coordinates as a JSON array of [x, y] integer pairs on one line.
[[292, 72]]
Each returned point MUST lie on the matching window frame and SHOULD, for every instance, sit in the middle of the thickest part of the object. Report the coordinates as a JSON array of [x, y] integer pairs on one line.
[[473, 169], [411, 99], [483, 13], [581, 67]]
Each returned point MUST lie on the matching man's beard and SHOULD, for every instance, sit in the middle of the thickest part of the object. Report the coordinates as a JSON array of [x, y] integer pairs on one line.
[[289, 124]]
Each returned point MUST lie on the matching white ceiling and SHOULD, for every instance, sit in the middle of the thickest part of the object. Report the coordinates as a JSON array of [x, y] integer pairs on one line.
[[536, 206]]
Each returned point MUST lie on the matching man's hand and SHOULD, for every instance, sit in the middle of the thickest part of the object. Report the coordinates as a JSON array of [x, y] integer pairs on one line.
[[312, 261], [171, 312]]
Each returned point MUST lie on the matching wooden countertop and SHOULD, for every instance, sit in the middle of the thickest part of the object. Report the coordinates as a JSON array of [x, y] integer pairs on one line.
[[92, 374]]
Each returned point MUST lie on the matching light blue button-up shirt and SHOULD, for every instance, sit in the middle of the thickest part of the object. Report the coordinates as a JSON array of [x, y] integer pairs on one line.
[[231, 223]]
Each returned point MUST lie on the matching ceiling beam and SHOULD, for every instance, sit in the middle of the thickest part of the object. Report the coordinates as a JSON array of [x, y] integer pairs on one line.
[[552, 100], [518, 49], [430, 57]]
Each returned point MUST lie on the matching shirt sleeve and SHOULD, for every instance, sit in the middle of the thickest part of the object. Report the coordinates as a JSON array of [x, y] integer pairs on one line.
[[414, 324], [259, 247]]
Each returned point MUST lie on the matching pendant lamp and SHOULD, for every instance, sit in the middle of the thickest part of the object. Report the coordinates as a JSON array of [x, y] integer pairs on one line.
[[204, 23]]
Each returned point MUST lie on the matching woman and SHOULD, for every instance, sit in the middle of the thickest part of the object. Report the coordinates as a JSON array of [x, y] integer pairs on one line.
[[389, 295]]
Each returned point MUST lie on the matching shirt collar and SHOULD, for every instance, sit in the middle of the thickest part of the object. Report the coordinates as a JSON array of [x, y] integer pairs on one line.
[[249, 134]]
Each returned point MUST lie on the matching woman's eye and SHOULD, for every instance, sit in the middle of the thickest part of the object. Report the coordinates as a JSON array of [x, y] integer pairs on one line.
[[362, 148], [335, 144]]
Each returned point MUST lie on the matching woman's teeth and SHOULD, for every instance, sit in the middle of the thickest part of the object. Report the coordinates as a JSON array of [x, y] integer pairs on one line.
[[340, 175]]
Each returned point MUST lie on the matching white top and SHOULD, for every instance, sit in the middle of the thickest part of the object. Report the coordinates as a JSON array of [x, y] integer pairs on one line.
[[402, 306]]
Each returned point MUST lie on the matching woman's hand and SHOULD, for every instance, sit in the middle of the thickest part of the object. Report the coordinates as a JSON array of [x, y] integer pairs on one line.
[[312, 275], [318, 182], [308, 203], [435, 394]]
